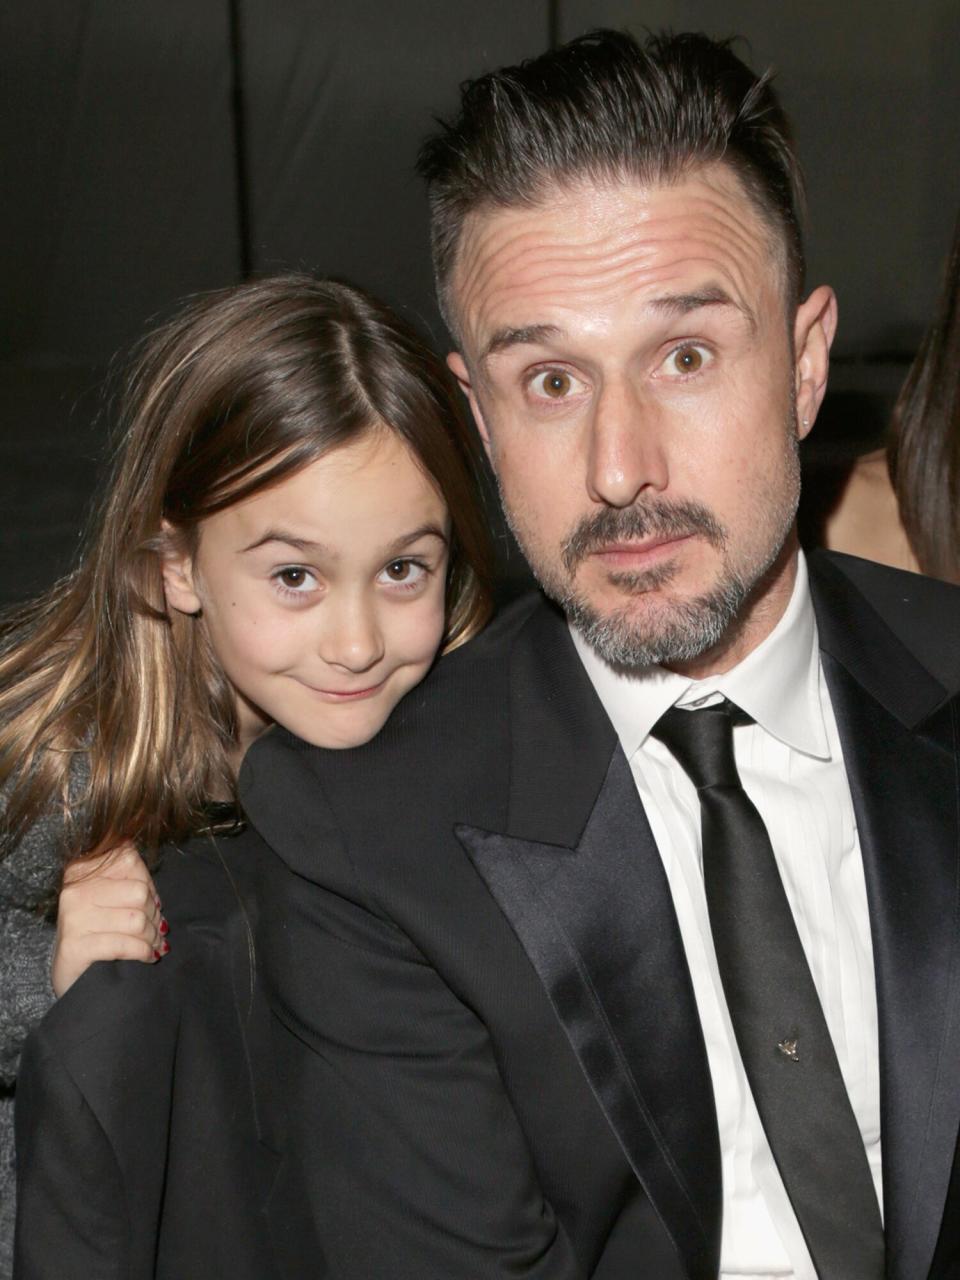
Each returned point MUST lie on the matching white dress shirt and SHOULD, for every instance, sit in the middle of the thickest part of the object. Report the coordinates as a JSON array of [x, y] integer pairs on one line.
[[791, 766]]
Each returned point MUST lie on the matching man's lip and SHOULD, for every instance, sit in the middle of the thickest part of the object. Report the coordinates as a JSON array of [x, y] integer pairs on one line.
[[622, 552]]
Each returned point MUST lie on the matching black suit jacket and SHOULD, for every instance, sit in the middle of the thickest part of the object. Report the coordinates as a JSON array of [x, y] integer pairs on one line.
[[486, 1021], [146, 1133]]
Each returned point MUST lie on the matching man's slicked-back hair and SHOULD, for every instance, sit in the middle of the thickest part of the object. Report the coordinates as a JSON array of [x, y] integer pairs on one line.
[[606, 107]]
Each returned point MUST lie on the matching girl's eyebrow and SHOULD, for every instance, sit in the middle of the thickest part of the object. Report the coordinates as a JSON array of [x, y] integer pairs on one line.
[[424, 531], [319, 548], [283, 535]]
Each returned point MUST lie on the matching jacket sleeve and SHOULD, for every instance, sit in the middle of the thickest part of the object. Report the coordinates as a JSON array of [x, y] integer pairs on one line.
[[26, 949], [29, 874], [69, 1188], [412, 1157]]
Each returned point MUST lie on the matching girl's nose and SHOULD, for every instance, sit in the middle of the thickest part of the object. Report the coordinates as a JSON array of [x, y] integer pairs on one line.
[[351, 637]]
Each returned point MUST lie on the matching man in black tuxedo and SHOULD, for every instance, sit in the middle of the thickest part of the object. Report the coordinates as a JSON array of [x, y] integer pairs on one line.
[[630, 947]]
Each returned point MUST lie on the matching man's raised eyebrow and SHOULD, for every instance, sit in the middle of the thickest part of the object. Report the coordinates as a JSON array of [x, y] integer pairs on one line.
[[526, 334], [712, 296]]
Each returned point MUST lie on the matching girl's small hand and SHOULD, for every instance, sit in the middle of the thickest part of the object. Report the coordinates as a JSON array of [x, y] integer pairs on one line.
[[108, 910]]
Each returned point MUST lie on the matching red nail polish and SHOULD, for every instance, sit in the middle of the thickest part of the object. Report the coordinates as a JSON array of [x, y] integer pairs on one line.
[[165, 947], [156, 954], [164, 927], [159, 904]]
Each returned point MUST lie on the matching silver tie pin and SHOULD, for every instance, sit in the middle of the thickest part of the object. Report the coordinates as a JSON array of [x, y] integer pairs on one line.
[[789, 1049]]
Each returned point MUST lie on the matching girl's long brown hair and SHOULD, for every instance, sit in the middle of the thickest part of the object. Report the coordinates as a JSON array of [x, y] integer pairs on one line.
[[925, 448], [240, 390]]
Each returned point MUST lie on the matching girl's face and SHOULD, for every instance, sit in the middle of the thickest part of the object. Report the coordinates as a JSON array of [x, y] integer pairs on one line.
[[323, 596]]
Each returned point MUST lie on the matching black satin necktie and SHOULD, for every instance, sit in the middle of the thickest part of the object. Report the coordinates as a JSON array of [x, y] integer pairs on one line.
[[784, 1042]]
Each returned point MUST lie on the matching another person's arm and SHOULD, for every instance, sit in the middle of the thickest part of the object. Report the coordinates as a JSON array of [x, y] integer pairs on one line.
[[108, 910]]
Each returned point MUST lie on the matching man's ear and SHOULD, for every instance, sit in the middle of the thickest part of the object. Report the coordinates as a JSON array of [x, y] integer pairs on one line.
[[458, 367], [177, 569], [814, 328]]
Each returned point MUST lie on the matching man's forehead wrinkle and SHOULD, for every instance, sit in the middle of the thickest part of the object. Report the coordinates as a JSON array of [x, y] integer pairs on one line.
[[525, 259], [526, 248], [626, 226], [583, 282], [542, 273], [641, 254]]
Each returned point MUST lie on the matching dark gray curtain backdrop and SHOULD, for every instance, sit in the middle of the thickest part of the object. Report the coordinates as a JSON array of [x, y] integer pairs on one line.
[[154, 148]]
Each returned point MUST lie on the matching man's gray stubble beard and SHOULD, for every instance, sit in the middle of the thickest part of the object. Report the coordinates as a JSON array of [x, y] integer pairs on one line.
[[687, 629]]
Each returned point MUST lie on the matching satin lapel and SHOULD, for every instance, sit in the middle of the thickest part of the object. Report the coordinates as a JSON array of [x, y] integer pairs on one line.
[[900, 752], [560, 738], [582, 884]]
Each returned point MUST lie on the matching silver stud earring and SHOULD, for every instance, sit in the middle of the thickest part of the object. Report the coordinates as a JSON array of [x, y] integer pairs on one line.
[[806, 422]]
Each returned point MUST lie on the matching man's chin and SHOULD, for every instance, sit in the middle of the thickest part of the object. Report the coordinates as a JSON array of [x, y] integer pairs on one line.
[[640, 599], [608, 589], [633, 629]]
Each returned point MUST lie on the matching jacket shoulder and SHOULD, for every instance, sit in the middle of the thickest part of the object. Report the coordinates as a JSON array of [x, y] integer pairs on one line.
[[923, 613], [443, 756], [474, 679], [477, 660]]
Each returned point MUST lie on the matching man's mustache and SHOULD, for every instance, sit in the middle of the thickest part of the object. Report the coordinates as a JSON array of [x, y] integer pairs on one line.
[[659, 519]]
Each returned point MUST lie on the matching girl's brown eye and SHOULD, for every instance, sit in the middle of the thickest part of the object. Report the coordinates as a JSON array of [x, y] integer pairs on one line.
[[295, 578], [408, 574], [687, 360]]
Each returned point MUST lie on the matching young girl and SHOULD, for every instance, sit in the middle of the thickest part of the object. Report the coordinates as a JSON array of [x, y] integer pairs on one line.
[[291, 533]]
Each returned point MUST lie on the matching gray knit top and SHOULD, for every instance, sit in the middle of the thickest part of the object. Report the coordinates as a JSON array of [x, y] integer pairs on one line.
[[27, 876]]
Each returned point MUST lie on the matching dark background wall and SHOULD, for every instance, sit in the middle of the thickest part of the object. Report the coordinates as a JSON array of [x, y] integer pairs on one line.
[[153, 148]]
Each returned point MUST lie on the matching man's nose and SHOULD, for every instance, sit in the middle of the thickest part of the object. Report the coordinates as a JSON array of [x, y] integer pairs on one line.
[[350, 635], [626, 454]]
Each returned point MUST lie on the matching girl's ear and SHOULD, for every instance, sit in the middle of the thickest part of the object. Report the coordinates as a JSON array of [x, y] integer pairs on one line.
[[177, 570]]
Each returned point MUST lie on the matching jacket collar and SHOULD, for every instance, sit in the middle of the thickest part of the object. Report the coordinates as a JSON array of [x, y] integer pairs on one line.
[[856, 637], [899, 735], [561, 738]]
